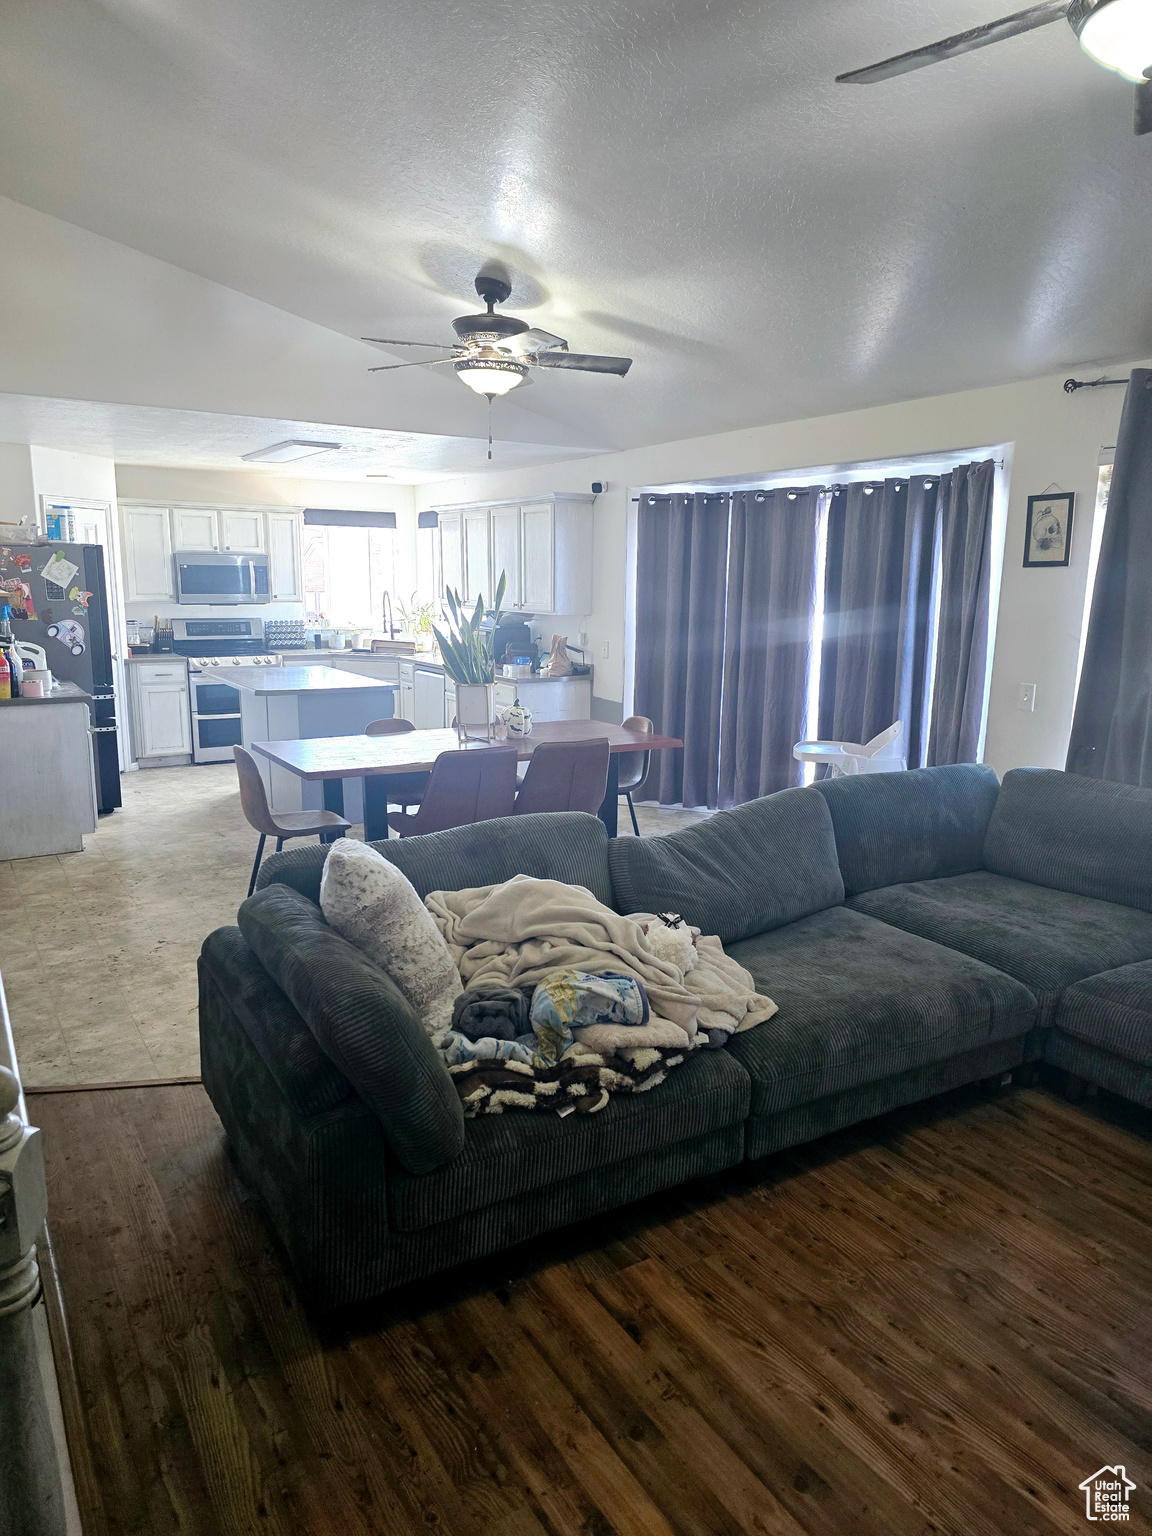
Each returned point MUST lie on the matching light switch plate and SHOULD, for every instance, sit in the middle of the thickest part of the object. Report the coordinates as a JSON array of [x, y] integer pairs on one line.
[[1026, 697]]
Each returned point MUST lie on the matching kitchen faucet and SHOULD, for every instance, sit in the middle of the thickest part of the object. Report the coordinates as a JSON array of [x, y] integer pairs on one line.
[[389, 625]]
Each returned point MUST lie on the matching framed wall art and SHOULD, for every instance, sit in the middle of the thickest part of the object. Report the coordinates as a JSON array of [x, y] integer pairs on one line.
[[1048, 531]]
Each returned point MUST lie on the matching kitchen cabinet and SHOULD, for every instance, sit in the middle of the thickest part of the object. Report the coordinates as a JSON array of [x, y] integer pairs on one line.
[[543, 546], [428, 699], [556, 698], [284, 564], [449, 703], [195, 528], [158, 697], [477, 567], [147, 554], [407, 710], [505, 525], [451, 552], [538, 593], [242, 532]]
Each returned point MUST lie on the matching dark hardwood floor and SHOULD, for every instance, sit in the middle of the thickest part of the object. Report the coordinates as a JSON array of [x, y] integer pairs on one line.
[[937, 1322]]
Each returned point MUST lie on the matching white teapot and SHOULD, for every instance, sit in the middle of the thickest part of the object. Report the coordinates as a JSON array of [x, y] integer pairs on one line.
[[516, 719]]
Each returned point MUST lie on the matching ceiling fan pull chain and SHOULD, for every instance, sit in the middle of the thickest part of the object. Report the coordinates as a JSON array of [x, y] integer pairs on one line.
[[489, 426]]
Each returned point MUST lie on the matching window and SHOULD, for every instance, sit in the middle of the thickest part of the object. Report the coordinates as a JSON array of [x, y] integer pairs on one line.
[[346, 573]]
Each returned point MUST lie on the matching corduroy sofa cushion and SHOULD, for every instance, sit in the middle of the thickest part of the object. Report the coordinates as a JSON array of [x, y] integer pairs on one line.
[[560, 845], [893, 827], [362, 1021], [1112, 1011], [1073, 834], [509, 1154], [1047, 939], [308, 1078], [860, 1001], [741, 872]]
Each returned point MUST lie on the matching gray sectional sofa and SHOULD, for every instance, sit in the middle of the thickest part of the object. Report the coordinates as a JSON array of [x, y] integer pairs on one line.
[[918, 930]]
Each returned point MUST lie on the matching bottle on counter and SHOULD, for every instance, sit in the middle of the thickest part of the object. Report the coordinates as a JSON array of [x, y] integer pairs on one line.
[[10, 654], [5, 678]]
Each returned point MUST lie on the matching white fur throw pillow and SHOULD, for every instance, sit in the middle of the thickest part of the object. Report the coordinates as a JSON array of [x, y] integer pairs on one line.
[[374, 905]]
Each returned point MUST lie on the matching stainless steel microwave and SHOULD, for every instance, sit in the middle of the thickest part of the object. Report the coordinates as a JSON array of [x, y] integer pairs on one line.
[[217, 577]]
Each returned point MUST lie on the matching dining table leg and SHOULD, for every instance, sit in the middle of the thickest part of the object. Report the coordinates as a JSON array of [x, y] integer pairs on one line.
[[334, 795], [609, 812], [375, 807]]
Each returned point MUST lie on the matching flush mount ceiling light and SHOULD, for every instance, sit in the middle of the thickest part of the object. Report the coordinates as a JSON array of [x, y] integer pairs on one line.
[[1115, 33], [284, 453]]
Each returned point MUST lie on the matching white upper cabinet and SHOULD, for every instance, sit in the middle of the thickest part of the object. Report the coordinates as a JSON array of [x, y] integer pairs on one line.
[[477, 572], [506, 553], [284, 569], [544, 548], [147, 554], [452, 550], [195, 528], [538, 587], [242, 532]]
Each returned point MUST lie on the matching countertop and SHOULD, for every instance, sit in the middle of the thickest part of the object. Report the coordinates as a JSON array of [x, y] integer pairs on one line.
[[322, 679], [172, 656], [63, 693]]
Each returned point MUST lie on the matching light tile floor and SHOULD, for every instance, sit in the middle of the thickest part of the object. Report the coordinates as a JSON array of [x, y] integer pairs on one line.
[[98, 949]]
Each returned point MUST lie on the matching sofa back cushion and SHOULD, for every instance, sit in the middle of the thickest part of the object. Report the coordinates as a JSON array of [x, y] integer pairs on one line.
[[362, 1021], [569, 845], [739, 873], [921, 825], [1073, 834]]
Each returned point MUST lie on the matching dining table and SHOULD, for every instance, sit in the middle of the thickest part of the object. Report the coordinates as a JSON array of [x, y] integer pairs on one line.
[[330, 760]]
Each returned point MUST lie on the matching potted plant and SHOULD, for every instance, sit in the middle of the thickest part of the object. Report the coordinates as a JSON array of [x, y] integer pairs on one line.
[[417, 620], [469, 663]]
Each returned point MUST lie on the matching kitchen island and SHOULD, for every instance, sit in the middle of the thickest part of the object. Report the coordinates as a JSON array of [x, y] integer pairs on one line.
[[299, 703], [47, 781]]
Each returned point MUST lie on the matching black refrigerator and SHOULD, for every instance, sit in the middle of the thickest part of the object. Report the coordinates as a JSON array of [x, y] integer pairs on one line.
[[59, 601]]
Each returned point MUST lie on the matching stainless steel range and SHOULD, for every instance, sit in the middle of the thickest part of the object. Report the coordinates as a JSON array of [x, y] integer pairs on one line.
[[213, 647]]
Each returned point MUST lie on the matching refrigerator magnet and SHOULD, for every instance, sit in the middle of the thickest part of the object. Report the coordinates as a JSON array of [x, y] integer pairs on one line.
[[69, 633]]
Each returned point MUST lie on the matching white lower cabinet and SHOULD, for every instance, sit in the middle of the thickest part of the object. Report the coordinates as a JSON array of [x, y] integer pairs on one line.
[[548, 699], [407, 710], [428, 699], [161, 725]]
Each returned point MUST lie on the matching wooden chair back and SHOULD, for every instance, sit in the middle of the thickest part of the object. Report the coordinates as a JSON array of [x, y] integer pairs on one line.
[[470, 785], [253, 799], [565, 776]]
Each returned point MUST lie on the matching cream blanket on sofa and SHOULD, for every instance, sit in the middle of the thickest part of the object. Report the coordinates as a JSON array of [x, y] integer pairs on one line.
[[516, 932]]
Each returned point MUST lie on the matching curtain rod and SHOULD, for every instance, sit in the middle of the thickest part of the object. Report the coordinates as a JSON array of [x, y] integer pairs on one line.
[[794, 490], [1072, 385]]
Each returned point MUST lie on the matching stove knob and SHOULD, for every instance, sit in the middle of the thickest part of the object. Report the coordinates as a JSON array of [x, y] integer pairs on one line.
[[235, 661]]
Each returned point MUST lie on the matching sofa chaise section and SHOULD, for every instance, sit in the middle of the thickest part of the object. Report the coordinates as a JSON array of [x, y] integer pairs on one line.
[[1104, 1032]]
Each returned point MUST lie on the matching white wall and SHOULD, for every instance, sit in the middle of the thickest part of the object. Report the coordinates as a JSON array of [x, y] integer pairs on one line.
[[1055, 438]]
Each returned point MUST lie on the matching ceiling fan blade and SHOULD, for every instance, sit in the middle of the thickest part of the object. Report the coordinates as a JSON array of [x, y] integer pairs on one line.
[[425, 362], [581, 362], [962, 42], [537, 341], [384, 341], [1143, 121]]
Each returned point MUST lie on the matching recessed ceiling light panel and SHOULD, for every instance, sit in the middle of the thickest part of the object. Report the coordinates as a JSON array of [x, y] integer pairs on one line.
[[284, 453]]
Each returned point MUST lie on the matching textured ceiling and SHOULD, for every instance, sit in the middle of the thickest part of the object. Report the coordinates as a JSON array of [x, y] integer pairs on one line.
[[678, 179], [153, 435]]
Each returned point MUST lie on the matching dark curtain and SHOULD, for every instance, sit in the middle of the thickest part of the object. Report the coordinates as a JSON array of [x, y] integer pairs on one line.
[[965, 534], [682, 548], [877, 612], [768, 640], [1112, 728]]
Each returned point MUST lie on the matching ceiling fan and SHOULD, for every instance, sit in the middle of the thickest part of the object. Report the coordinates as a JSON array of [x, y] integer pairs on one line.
[[493, 353], [1116, 33]]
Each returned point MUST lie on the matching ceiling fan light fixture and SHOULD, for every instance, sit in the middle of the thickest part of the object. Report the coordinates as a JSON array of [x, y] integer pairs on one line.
[[1116, 33], [490, 375]]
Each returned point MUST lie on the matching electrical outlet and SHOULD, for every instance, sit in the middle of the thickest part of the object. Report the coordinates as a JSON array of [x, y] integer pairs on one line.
[[1026, 697], [583, 641], [604, 650]]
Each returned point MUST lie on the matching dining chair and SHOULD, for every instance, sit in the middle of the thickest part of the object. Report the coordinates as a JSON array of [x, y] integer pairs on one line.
[[634, 765], [565, 776], [404, 789], [281, 825], [472, 784]]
